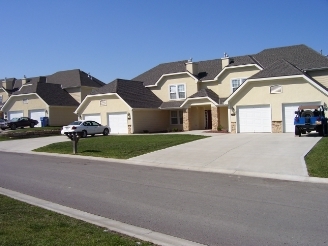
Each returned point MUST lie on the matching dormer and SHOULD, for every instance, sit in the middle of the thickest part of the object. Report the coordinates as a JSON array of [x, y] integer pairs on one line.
[[192, 67]]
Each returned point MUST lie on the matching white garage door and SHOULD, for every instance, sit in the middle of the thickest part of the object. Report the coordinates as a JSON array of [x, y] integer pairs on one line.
[[36, 115], [254, 119], [15, 114], [95, 117], [288, 112], [118, 122]]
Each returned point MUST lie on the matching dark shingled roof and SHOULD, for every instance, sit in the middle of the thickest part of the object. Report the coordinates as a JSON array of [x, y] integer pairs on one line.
[[134, 93], [277, 69], [208, 93], [52, 94], [301, 56], [171, 104], [74, 78], [151, 76]]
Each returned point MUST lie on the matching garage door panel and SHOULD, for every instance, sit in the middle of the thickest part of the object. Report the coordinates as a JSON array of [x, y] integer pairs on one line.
[[36, 115], [254, 119], [15, 114], [118, 123], [94, 117]]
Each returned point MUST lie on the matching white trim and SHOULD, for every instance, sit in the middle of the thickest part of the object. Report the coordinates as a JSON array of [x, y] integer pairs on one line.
[[5, 90], [172, 74], [97, 95], [197, 98], [226, 68], [22, 95], [275, 78]]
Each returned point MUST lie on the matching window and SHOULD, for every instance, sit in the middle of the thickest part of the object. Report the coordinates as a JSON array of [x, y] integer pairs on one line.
[[235, 83], [176, 117], [275, 89], [177, 91]]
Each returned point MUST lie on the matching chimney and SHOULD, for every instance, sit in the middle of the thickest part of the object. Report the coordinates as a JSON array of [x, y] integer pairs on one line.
[[225, 60], [24, 80], [7, 84], [192, 67]]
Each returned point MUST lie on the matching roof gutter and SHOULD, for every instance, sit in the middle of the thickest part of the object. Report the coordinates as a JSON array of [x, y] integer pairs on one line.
[[315, 69]]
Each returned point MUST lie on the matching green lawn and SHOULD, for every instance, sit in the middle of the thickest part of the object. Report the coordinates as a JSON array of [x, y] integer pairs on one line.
[[23, 224], [120, 147], [317, 159]]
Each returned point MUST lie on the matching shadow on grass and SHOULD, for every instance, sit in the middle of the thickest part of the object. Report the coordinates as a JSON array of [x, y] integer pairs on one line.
[[90, 151]]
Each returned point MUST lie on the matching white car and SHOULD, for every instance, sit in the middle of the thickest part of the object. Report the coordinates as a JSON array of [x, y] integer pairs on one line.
[[84, 128]]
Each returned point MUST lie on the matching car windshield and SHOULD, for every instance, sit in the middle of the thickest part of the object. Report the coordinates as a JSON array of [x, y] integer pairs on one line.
[[14, 119], [76, 123]]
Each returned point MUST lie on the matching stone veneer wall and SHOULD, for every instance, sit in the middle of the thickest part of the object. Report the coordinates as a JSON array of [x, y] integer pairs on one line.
[[186, 117], [276, 127], [233, 127], [215, 118]]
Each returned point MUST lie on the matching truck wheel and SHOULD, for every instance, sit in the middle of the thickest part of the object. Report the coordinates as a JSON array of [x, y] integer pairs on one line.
[[297, 131], [320, 130]]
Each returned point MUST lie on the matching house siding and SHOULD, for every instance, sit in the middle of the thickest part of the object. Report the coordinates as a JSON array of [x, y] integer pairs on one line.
[[150, 120], [320, 76], [34, 102], [294, 90], [60, 116], [114, 104], [222, 87], [75, 93], [162, 89]]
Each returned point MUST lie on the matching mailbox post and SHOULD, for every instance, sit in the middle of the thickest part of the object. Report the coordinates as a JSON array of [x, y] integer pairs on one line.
[[75, 139]]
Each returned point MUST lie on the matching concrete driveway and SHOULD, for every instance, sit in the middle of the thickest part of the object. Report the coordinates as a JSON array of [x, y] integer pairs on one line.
[[255, 154]]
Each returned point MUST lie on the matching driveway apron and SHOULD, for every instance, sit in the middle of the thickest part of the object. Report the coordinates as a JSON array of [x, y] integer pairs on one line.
[[276, 153]]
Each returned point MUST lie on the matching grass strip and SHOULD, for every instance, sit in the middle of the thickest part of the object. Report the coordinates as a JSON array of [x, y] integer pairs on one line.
[[317, 159], [24, 224], [120, 147]]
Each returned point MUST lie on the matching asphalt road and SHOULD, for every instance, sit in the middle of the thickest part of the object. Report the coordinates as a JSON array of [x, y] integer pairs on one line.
[[212, 209]]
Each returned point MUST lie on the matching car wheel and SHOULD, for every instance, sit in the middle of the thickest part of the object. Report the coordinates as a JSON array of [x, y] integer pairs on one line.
[[3, 128], [13, 127], [297, 131], [32, 125], [84, 134], [105, 132]]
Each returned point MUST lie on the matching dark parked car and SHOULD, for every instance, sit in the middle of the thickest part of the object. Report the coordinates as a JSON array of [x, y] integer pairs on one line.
[[19, 122]]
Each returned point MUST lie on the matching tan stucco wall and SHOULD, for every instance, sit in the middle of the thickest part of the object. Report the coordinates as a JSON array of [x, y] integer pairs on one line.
[[224, 117], [162, 90], [4, 94], [321, 76], [75, 93], [150, 120], [85, 91], [223, 86], [294, 90], [114, 104], [197, 120], [16, 104], [60, 116]]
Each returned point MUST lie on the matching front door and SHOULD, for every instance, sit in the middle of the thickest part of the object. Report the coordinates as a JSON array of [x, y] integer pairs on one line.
[[208, 119]]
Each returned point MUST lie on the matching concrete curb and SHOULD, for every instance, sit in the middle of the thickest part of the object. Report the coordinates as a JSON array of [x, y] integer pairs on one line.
[[113, 225]]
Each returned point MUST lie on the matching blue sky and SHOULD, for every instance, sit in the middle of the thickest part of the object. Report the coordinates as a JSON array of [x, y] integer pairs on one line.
[[123, 38]]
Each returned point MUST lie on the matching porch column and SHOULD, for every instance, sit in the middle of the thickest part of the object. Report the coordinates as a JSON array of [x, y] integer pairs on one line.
[[186, 121], [215, 118]]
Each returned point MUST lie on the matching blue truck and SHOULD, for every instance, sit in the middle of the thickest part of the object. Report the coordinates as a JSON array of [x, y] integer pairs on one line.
[[310, 118]]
